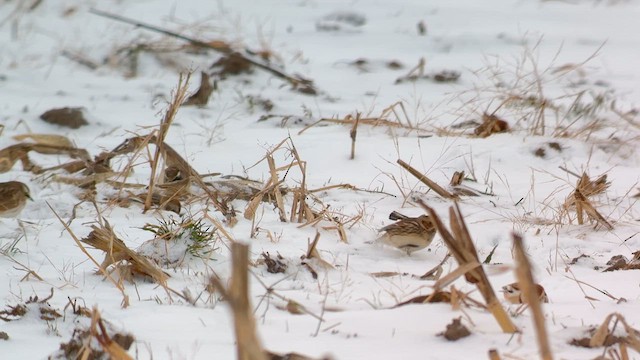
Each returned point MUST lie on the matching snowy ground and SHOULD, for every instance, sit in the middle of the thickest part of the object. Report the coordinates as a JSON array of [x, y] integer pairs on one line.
[[538, 50]]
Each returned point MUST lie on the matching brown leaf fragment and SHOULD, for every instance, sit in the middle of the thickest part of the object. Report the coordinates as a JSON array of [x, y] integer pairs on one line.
[[464, 191], [620, 262], [395, 65], [422, 28], [46, 139], [201, 97], [603, 335], [295, 308], [274, 265], [491, 124], [437, 297], [457, 178], [540, 152], [617, 262], [67, 116], [100, 341], [290, 356], [555, 146], [455, 330], [232, 64], [576, 259], [609, 341], [385, 274], [13, 312], [446, 76]]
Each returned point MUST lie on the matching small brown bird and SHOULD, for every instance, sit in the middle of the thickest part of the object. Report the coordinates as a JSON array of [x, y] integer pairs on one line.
[[407, 233], [13, 198], [513, 294]]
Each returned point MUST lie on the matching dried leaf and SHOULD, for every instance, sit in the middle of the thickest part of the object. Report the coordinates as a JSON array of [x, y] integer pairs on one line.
[[201, 97], [47, 139], [491, 124]]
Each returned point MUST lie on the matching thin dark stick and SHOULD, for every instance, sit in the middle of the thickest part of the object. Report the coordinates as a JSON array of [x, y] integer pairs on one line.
[[299, 83]]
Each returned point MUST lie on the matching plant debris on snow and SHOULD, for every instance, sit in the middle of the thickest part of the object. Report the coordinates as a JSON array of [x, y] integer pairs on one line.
[[213, 178]]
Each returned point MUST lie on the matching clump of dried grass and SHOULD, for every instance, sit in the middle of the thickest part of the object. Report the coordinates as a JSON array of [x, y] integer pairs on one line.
[[44, 144], [463, 250], [546, 100], [33, 303], [394, 116], [579, 199], [116, 252], [178, 99], [99, 341], [243, 57], [300, 210], [605, 336]]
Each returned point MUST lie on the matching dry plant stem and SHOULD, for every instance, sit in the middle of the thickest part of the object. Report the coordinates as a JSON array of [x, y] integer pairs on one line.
[[603, 292], [252, 206], [178, 99], [28, 271], [353, 133], [303, 209], [172, 158], [531, 297], [274, 180], [118, 285], [428, 275], [569, 171], [494, 355], [392, 109], [99, 332], [578, 282], [461, 247], [348, 187], [455, 274], [432, 185], [372, 121], [296, 82], [80, 59], [248, 345]]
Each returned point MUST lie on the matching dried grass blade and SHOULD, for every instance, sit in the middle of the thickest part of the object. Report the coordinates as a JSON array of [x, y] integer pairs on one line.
[[461, 246], [531, 296], [455, 274], [587, 207], [425, 180], [125, 297], [274, 180], [178, 99], [600, 336]]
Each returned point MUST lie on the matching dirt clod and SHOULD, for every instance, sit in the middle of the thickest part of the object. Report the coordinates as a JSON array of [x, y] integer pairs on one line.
[[455, 330], [67, 116]]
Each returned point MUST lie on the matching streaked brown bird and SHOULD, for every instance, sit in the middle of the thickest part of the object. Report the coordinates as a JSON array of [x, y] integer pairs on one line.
[[13, 198], [407, 233]]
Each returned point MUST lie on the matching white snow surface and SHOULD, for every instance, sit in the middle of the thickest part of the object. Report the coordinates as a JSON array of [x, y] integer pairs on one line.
[[574, 46]]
